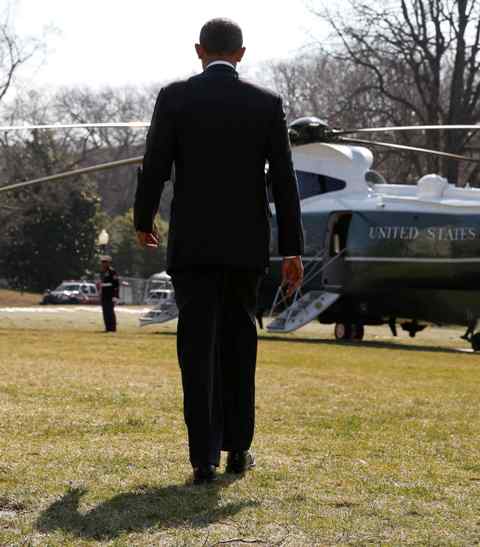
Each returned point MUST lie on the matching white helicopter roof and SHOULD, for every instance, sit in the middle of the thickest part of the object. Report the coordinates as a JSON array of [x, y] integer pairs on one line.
[[339, 161], [352, 164], [163, 276]]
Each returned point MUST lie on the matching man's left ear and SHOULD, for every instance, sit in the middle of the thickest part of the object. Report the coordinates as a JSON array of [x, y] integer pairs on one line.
[[200, 51], [239, 54]]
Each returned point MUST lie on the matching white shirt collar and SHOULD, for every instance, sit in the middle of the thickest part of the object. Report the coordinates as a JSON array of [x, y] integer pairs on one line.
[[221, 63]]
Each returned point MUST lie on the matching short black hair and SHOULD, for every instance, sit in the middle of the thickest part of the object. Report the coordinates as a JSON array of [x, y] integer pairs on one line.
[[221, 37]]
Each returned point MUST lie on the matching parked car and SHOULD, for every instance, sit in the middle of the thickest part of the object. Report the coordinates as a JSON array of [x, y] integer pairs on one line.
[[73, 292]]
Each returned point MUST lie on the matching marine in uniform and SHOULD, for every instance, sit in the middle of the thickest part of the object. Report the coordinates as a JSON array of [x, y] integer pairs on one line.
[[109, 292]]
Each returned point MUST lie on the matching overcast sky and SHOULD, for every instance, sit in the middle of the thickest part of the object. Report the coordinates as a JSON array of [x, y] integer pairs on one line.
[[121, 42]]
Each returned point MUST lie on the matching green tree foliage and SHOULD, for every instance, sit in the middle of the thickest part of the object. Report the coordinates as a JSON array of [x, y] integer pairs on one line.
[[129, 258], [32, 154], [51, 242]]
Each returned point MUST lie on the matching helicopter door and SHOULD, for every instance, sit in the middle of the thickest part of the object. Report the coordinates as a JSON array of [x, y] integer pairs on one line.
[[334, 265]]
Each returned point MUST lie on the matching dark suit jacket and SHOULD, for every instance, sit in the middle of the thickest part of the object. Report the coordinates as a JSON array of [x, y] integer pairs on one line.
[[219, 131]]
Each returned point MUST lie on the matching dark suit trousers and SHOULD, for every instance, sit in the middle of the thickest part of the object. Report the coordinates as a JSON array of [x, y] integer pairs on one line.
[[217, 351], [109, 318]]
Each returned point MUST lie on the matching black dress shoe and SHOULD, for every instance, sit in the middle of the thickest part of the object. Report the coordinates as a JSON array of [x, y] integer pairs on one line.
[[204, 473], [239, 461]]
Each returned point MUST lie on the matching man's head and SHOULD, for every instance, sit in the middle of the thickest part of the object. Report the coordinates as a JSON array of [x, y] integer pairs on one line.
[[105, 262], [220, 40]]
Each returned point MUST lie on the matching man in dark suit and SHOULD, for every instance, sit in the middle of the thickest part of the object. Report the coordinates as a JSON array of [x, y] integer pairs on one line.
[[219, 131]]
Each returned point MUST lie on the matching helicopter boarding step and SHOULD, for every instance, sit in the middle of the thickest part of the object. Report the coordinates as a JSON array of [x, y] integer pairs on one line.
[[302, 311], [160, 314]]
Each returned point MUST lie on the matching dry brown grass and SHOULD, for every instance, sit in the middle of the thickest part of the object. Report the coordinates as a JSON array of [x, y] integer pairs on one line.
[[356, 444], [17, 298]]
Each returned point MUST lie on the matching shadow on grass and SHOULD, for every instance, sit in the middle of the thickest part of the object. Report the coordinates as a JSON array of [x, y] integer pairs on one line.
[[366, 344], [170, 506], [363, 344]]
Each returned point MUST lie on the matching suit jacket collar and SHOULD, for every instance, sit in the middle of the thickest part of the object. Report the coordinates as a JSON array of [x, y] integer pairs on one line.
[[221, 67], [224, 63]]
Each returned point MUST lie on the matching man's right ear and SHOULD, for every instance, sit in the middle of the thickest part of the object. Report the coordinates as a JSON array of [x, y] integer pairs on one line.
[[239, 54]]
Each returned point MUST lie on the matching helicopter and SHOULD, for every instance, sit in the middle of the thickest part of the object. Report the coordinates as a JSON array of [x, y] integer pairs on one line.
[[375, 253]]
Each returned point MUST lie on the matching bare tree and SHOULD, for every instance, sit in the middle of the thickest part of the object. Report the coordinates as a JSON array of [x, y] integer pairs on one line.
[[318, 85], [101, 145], [31, 154], [337, 91], [15, 51], [423, 59]]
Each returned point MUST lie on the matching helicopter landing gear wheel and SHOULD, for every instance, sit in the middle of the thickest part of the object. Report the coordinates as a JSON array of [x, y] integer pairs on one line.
[[475, 341], [343, 331], [349, 331], [358, 332]]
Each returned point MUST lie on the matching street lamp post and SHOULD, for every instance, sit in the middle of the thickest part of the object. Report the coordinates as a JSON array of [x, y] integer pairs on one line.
[[103, 240]]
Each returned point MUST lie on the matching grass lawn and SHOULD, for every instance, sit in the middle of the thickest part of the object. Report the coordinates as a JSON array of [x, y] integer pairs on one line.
[[376, 443], [17, 298]]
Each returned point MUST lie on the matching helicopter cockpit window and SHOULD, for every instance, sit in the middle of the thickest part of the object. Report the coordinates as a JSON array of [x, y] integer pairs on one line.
[[374, 177], [312, 184]]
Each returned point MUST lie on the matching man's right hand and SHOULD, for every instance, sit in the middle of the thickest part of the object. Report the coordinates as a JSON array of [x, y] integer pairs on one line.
[[148, 239], [292, 274]]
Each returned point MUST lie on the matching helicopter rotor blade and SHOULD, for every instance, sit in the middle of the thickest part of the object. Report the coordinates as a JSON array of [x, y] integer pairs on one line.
[[74, 173], [133, 125], [406, 128], [408, 148]]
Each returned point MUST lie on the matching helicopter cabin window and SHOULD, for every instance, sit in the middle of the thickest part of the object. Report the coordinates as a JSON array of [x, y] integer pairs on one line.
[[312, 184]]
